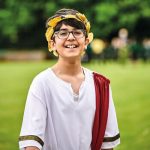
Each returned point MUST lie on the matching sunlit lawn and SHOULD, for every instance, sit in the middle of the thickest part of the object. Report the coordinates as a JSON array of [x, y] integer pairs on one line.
[[131, 91]]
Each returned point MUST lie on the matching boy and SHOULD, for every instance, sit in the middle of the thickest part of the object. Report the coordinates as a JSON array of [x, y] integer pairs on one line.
[[68, 106]]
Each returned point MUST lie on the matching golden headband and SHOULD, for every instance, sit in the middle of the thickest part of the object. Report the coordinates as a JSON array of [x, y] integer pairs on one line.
[[54, 21]]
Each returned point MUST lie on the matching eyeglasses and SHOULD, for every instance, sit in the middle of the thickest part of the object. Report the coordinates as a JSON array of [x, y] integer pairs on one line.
[[77, 33]]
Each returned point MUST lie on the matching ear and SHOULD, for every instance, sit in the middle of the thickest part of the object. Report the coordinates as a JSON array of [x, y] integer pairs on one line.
[[86, 42], [52, 44]]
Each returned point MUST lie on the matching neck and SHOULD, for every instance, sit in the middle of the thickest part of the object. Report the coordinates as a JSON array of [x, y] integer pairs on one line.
[[68, 67]]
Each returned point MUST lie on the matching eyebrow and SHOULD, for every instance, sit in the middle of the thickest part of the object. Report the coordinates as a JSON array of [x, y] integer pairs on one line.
[[67, 29], [64, 29]]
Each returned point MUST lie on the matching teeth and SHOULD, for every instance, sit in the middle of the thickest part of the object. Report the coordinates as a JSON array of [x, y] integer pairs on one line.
[[70, 46]]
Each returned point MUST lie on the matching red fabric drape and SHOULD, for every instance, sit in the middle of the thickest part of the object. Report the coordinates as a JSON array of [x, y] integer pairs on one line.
[[101, 113]]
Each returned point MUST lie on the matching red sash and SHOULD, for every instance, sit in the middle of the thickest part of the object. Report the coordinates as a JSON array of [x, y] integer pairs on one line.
[[101, 113]]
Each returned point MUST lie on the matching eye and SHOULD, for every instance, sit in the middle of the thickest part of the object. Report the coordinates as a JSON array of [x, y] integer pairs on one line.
[[63, 33], [77, 32]]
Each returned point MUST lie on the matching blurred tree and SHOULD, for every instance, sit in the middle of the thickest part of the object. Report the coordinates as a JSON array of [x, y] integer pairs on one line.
[[111, 15], [105, 14], [22, 22], [14, 15]]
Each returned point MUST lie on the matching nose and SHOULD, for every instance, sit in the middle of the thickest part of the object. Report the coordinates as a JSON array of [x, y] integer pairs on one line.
[[71, 36]]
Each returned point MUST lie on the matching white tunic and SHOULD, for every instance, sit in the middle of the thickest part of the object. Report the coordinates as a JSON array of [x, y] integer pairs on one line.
[[61, 119]]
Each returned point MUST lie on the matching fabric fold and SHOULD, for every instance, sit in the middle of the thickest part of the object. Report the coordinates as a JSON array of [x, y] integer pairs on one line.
[[101, 113]]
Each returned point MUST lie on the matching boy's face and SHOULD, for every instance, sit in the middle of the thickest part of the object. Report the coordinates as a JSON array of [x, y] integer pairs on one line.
[[71, 46]]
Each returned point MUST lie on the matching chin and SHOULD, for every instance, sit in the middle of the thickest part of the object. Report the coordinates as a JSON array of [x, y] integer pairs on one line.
[[73, 55]]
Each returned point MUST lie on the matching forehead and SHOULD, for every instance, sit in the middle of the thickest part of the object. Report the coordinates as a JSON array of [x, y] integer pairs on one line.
[[67, 27]]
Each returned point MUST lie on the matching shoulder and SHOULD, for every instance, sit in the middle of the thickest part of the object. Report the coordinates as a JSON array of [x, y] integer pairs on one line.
[[87, 71], [95, 75], [100, 76], [41, 77]]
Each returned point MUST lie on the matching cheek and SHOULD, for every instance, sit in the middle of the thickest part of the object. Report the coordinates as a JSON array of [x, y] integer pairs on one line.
[[83, 44], [59, 43], [56, 46]]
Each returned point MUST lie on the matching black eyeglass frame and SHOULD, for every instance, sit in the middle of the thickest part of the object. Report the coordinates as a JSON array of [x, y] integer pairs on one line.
[[68, 33]]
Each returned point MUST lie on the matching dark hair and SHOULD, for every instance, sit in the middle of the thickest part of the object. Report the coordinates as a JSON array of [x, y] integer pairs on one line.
[[71, 22]]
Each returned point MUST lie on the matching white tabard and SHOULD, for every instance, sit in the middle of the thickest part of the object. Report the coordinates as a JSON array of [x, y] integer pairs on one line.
[[60, 118]]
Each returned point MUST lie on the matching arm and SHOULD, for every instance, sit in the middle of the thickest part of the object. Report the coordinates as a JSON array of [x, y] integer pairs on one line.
[[112, 136], [31, 148], [34, 120]]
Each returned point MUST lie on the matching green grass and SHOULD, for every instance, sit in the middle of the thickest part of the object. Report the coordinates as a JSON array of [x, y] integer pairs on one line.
[[131, 92]]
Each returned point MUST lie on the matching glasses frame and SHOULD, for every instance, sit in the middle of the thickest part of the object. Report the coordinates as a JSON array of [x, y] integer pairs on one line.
[[68, 32]]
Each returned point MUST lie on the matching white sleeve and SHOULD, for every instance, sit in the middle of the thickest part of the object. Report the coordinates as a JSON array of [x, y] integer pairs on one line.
[[34, 120], [112, 136]]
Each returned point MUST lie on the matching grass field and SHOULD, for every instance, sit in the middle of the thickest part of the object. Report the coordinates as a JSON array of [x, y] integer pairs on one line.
[[131, 92]]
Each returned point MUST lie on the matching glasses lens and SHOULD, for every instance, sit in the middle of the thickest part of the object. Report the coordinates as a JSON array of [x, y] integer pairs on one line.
[[78, 33], [63, 34]]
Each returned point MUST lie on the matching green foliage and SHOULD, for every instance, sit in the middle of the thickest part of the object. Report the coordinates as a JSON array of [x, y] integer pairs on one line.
[[105, 12], [111, 16], [14, 16], [49, 8], [107, 17], [104, 15]]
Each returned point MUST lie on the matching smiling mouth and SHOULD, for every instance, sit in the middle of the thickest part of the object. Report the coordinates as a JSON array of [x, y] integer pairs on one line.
[[71, 46]]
